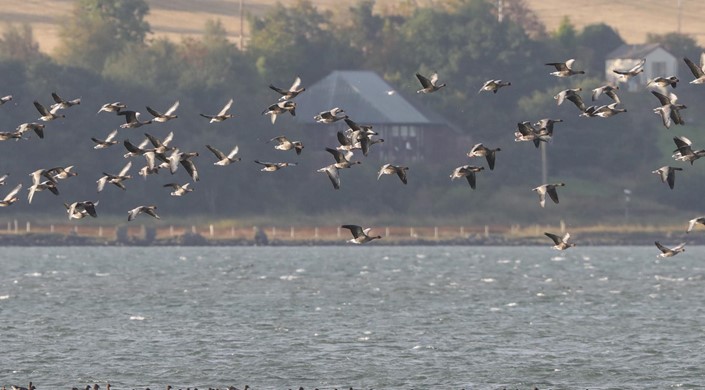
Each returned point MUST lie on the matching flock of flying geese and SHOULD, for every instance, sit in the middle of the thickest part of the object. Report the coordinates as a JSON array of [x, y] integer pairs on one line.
[[542, 131], [159, 154], [668, 109]]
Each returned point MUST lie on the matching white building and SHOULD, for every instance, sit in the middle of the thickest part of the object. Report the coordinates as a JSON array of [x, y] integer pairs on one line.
[[659, 62]]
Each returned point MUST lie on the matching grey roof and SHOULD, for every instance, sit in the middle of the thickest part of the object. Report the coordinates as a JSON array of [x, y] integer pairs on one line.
[[633, 51], [365, 97]]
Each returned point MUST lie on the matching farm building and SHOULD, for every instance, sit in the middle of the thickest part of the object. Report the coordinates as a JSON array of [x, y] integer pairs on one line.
[[659, 62], [410, 132]]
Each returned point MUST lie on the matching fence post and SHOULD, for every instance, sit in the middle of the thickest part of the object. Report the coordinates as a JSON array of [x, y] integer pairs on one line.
[[435, 232], [51, 228], [28, 227], [562, 226], [274, 231], [291, 232], [315, 233], [210, 230], [15, 226], [487, 231], [386, 231], [100, 231]]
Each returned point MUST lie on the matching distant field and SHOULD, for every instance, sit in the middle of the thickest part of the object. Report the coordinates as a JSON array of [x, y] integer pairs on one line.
[[182, 18], [633, 19]]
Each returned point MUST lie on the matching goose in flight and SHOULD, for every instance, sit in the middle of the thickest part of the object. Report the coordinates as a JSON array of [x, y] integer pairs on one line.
[[526, 132], [342, 160], [429, 84], [480, 150], [494, 85], [572, 95], [38, 187], [61, 173], [292, 92], [61, 103], [11, 196], [115, 179], [663, 82], [107, 142], [669, 110], [224, 160], [360, 235], [185, 159], [684, 151], [467, 171], [132, 119], [332, 172], [78, 210], [111, 107], [280, 108], [222, 115], [608, 110], [178, 189], [5, 99], [389, 169], [47, 115], [545, 126], [608, 90], [697, 71], [667, 174], [330, 116], [167, 116], [7, 135], [549, 189], [149, 210], [272, 167], [38, 128], [564, 69], [284, 143], [561, 243], [695, 221], [133, 150], [626, 74], [670, 252]]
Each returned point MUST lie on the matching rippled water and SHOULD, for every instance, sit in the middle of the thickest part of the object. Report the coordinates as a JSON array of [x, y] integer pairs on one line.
[[368, 317]]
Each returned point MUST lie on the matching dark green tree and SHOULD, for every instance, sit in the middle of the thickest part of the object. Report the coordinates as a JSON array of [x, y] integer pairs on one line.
[[17, 43], [298, 39], [99, 29]]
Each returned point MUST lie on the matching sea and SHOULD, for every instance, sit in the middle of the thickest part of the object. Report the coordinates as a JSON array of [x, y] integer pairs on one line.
[[366, 317]]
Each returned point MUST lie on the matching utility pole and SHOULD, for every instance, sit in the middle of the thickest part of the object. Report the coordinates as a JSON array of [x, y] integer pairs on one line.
[[680, 14], [544, 164], [500, 6]]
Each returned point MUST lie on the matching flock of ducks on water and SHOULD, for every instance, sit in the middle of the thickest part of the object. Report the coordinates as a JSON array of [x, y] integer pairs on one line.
[[160, 154]]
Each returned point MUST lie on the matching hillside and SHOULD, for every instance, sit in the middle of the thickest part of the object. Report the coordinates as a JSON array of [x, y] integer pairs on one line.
[[182, 18]]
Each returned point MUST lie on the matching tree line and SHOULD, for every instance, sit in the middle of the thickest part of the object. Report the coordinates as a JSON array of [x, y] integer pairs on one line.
[[106, 54]]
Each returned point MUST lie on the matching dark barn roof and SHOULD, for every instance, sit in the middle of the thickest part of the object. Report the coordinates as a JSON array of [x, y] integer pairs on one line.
[[366, 98]]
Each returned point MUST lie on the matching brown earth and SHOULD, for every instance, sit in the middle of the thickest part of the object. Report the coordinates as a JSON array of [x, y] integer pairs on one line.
[[176, 19]]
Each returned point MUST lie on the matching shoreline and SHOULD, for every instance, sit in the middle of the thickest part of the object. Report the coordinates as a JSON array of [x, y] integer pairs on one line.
[[195, 240]]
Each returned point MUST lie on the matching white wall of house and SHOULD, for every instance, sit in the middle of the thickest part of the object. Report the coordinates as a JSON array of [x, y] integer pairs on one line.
[[659, 62]]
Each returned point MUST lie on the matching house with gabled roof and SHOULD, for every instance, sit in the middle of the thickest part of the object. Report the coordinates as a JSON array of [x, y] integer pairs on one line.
[[411, 132], [659, 63]]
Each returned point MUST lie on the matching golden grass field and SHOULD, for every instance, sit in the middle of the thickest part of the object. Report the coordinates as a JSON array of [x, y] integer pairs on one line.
[[176, 19]]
